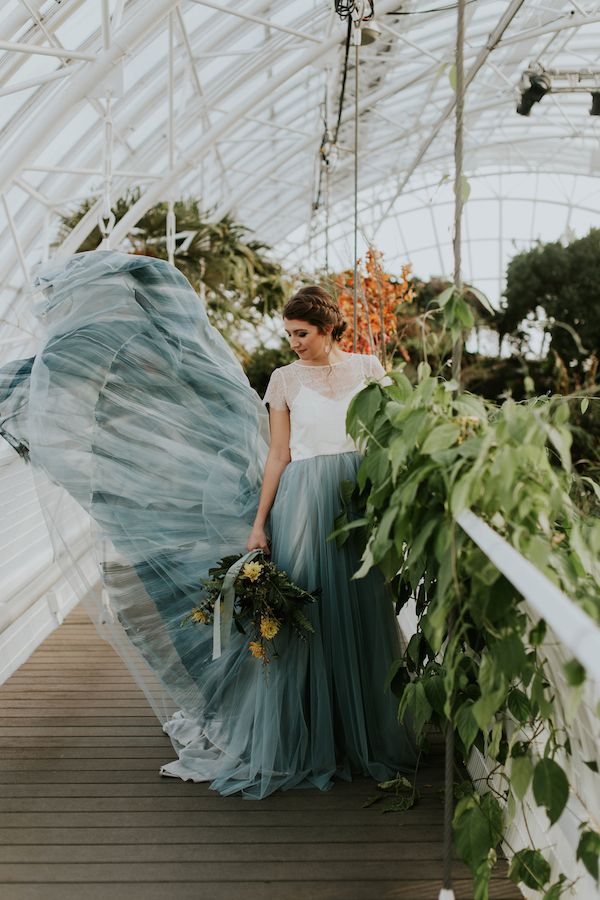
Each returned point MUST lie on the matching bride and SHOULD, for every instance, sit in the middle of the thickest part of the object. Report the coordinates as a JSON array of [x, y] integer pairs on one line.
[[137, 408]]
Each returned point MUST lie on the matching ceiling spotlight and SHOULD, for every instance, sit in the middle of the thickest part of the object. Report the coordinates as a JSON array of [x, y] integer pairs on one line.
[[538, 86], [595, 110]]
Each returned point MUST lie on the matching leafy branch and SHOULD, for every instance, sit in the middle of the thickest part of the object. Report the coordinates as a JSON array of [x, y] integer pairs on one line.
[[431, 453]]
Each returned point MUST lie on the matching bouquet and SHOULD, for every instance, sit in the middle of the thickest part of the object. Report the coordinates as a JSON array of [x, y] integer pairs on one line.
[[264, 601]]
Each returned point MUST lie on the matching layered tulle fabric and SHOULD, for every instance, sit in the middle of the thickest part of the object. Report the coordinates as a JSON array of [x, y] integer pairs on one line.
[[139, 412], [137, 408], [320, 710]]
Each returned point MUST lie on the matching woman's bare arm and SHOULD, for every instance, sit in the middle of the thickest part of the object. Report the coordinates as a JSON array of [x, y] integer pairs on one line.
[[277, 460]]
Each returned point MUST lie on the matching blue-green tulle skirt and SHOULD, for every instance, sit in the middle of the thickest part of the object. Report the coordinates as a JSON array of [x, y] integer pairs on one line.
[[136, 411], [320, 710]]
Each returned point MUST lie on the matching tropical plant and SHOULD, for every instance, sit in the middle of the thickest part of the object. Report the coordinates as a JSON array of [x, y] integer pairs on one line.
[[380, 298], [557, 286], [430, 453], [236, 277]]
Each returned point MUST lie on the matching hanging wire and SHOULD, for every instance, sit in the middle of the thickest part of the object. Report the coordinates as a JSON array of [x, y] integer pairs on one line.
[[347, 9], [355, 279], [458, 174], [106, 217], [338, 123], [425, 12], [171, 225], [356, 12], [327, 209], [447, 892]]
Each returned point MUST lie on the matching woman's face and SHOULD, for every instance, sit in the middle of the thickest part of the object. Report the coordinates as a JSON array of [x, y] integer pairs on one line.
[[305, 339]]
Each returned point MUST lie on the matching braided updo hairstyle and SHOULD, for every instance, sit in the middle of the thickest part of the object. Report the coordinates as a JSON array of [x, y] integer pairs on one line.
[[314, 305]]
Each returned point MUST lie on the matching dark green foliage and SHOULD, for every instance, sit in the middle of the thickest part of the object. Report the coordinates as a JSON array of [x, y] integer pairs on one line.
[[260, 364], [558, 284], [530, 868], [430, 454], [265, 601], [241, 284], [399, 795], [588, 851], [550, 788]]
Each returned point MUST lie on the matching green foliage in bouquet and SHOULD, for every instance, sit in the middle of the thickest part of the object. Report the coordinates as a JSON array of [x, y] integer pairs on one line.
[[266, 602], [430, 454]]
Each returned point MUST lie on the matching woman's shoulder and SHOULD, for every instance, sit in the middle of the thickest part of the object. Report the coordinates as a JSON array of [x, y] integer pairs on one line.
[[368, 363], [280, 375]]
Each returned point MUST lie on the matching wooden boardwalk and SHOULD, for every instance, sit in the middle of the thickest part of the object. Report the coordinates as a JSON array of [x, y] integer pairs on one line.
[[84, 814]]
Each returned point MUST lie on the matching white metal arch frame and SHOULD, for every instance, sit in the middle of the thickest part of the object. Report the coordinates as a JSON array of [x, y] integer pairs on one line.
[[220, 128]]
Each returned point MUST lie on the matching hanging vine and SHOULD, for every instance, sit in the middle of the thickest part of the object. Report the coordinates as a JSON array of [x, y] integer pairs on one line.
[[430, 454]]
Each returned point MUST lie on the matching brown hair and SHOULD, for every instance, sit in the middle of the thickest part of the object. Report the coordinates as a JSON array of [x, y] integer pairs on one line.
[[314, 305]]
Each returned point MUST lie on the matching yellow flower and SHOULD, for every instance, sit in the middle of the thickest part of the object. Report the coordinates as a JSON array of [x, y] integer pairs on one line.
[[257, 650], [252, 571], [198, 615], [269, 628]]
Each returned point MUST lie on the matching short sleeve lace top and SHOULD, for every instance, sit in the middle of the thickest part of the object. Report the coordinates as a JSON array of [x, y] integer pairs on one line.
[[317, 398]]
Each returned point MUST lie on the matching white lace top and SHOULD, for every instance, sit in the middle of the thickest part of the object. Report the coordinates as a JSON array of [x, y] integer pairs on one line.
[[318, 398]]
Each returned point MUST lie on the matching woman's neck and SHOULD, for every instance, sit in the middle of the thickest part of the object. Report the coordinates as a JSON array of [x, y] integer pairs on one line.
[[335, 356]]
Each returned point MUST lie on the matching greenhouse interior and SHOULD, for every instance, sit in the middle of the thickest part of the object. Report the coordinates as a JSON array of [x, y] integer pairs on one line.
[[300, 457]]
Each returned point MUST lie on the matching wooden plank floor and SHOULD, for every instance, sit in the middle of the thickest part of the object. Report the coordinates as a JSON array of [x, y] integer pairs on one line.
[[84, 814]]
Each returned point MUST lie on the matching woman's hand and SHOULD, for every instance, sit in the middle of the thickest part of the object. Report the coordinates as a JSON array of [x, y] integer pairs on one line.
[[258, 540]]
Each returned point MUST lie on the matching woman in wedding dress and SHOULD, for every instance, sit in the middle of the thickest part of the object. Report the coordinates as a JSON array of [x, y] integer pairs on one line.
[[137, 408]]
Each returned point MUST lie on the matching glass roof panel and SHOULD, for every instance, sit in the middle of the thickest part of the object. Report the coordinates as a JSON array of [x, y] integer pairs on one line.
[[255, 85]]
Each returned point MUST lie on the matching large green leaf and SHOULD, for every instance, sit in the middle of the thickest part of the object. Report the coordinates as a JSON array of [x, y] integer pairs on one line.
[[488, 704], [466, 724], [509, 655], [435, 692], [401, 389], [518, 705], [363, 409], [520, 775], [477, 828], [588, 851], [442, 437], [464, 314], [443, 298], [481, 879], [461, 494], [481, 297], [574, 672], [556, 890], [550, 788], [529, 867], [414, 702]]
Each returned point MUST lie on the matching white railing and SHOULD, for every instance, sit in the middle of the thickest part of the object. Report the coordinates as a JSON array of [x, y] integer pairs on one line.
[[574, 628], [571, 633], [35, 589]]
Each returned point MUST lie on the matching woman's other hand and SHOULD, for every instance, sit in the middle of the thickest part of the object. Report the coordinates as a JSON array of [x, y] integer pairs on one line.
[[258, 540]]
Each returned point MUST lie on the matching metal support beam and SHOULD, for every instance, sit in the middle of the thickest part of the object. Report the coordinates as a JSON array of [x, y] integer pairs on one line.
[[491, 44], [105, 26], [16, 241], [34, 50], [55, 115], [36, 82], [258, 20], [254, 103]]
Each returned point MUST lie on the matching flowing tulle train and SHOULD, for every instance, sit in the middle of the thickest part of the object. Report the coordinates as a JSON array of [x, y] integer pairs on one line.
[[137, 410]]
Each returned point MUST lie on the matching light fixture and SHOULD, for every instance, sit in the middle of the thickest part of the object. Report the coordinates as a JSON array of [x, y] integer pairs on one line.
[[369, 32], [539, 85], [537, 81]]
